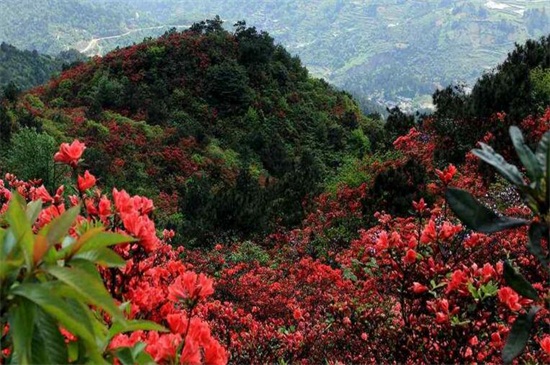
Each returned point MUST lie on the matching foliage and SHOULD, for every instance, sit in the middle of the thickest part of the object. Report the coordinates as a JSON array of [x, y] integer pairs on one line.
[[29, 156], [537, 198], [540, 81]]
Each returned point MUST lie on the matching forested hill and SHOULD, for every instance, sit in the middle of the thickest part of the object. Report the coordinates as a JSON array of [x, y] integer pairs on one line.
[[25, 69], [225, 128]]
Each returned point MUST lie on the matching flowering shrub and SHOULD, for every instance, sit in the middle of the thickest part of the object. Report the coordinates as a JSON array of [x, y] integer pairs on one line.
[[55, 306], [537, 198], [416, 289]]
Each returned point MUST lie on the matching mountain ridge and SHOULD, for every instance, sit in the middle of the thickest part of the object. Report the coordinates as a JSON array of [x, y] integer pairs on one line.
[[380, 54]]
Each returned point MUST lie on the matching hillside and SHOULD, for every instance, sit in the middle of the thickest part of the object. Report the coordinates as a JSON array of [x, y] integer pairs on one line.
[[306, 232], [200, 198], [398, 52], [226, 128], [26, 69]]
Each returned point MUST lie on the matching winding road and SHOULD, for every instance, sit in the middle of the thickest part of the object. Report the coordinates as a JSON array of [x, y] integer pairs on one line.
[[94, 42]]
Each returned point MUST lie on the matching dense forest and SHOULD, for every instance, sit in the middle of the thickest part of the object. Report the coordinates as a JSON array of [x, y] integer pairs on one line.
[[223, 206]]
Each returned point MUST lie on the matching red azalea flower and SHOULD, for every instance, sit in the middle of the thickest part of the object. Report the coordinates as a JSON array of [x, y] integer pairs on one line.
[[163, 347], [42, 194], [441, 318], [177, 322], [70, 153], [446, 176], [104, 207], [191, 354], [86, 182], [410, 257], [508, 296], [418, 288], [420, 206], [545, 344], [382, 243], [190, 286], [214, 353], [488, 272], [458, 279], [429, 233]]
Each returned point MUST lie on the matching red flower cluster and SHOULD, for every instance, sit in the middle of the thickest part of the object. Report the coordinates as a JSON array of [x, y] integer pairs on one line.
[[154, 280]]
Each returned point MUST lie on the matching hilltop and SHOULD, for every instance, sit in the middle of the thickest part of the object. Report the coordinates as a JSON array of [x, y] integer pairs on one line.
[[227, 129]]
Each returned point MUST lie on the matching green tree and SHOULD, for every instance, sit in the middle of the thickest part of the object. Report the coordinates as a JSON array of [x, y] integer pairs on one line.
[[398, 124], [30, 156], [227, 87]]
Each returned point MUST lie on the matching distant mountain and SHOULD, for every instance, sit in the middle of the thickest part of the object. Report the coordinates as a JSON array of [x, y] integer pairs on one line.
[[387, 50], [52, 26]]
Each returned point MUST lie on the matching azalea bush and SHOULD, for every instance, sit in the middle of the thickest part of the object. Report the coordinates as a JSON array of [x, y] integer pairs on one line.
[[536, 193], [422, 288], [86, 279]]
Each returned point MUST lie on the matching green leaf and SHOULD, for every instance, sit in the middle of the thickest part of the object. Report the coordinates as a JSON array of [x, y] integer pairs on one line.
[[138, 348], [88, 286], [526, 156], [56, 307], [476, 216], [87, 266], [94, 321], [542, 150], [33, 210], [141, 357], [134, 325], [60, 226], [21, 320], [124, 354], [48, 345], [9, 245], [536, 232], [105, 239], [508, 171], [518, 282], [519, 335], [21, 227], [102, 256], [73, 348]]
